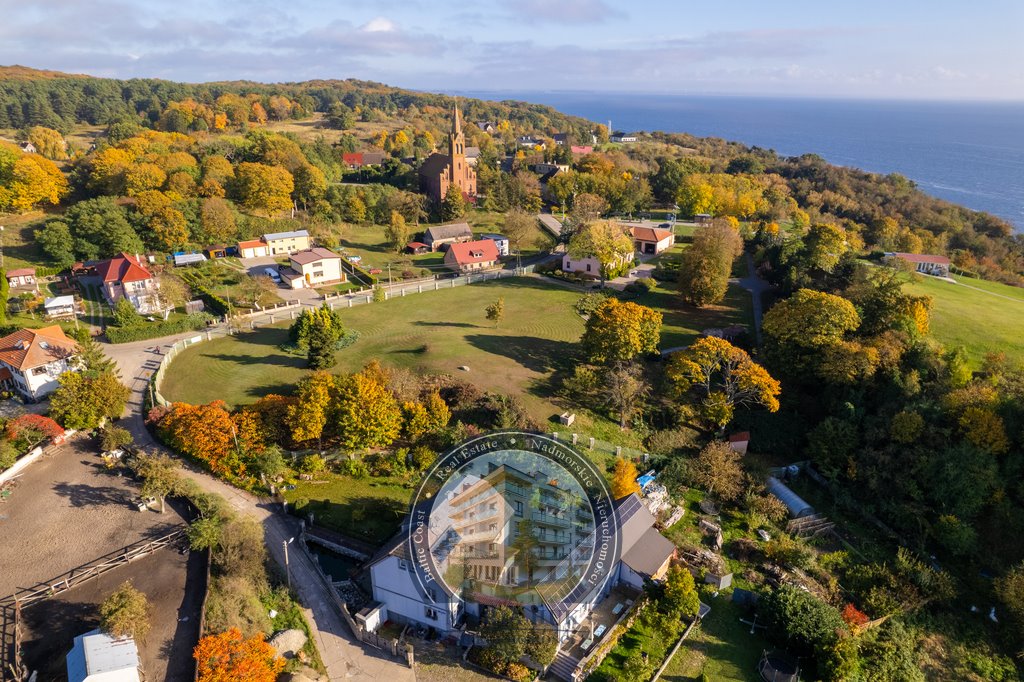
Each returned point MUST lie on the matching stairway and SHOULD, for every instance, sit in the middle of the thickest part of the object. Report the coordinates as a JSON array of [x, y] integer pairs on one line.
[[563, 667]]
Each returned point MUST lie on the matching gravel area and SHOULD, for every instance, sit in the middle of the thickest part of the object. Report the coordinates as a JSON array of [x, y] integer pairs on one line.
[[66, 511]]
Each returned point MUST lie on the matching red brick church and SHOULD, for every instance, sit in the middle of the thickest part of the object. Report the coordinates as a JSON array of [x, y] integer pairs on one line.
[[440, 171]]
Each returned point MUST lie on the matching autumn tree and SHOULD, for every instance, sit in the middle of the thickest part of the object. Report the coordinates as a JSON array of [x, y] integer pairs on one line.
[[263, 188], [453, 206], [160, 476], [204, 432], [517, 226], [438, 413], [723, 377], [171, 293], [217, 220], [542, 643], [586, 209], [308, 415], [229, 657], [618, 332], [607, 243], [799, 328], [368, 414], [707, 263], [624, 477], [397, 232], [83, 400], [624, 389], [318, 331], [718, 471], [28, 180], [126, 613], [680, 600], [496, 311], [48, 142]]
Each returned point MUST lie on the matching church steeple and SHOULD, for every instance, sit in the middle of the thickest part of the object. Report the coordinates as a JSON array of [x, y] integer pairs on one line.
[[456, 140]]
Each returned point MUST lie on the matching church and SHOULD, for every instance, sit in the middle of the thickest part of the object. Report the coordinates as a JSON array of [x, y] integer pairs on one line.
[[440, 171]]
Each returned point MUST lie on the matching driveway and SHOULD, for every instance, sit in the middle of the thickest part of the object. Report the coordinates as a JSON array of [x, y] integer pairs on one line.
[[756, 286], [345, 658]]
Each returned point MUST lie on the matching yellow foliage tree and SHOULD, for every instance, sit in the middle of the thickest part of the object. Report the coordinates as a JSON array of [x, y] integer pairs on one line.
[[368, 414], [170, 229], [263, 188], [624, 477], [985, 429], [48, 142], [27, 180], [308, 415], [618, 332], [607, 242], [142, 177]]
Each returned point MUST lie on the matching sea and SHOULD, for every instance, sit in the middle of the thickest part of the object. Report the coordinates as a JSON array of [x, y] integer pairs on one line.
[[970, 153]]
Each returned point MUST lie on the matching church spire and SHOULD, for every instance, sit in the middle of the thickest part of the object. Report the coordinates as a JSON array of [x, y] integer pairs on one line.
[[456, 140], [456, 120]]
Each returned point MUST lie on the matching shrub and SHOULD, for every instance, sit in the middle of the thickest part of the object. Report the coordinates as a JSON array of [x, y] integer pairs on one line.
[[152, 330], [423, 457], [387, 463], [356, 468], [313, 464], [519, 672]]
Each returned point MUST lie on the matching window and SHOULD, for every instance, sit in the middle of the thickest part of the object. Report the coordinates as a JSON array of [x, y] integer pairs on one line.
[[519, 508], [588, 267], [403, 564], [430, 613]]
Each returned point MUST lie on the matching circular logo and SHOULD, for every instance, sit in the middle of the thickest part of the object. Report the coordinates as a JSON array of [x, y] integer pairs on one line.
[[513, 518]]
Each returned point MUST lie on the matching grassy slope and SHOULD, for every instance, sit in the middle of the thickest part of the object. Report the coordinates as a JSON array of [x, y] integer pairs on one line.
[[369, 509], [983, 317]]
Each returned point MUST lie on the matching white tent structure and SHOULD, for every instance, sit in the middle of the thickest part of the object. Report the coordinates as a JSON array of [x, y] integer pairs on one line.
[[98, 657]]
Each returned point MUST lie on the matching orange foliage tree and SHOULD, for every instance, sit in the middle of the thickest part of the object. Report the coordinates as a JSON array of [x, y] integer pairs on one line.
[[229, 657], [205, 432]]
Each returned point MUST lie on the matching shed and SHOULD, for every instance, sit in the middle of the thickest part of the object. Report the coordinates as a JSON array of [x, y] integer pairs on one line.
[[98, 657], [60, 306], [794, 503], [182, 259]]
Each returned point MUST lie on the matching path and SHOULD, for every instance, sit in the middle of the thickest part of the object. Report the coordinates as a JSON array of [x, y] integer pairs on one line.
[[756, 286], [984, 291], [344, 658], [551, 224]]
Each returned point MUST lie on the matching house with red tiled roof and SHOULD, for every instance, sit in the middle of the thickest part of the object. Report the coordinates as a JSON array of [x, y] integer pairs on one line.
[[652, 240], [125, 276], [472, 256], [924, 263], [21, 277], [253, 248], [32, 359]]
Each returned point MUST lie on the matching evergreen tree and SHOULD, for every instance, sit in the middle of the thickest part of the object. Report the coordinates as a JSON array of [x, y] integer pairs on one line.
[[453, 206]]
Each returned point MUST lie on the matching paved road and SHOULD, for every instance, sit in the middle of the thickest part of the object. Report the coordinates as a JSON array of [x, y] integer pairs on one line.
[[756, 286], [344, 658]]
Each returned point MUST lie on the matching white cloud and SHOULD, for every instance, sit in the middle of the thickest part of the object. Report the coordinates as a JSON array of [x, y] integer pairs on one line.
[[379, 25]]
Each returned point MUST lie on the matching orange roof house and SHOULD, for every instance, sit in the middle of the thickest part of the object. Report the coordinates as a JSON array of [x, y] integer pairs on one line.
[[125, 276], [471, 256], [34, 358], [652, 240]]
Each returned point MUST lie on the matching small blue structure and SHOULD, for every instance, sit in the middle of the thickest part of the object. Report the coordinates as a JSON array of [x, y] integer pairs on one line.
[[796, 506], [646, 479]]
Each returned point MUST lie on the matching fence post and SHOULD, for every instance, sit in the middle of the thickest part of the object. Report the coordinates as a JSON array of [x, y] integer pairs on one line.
[[419, 288], [554, 434], [618, 451], [575, 437], [350, 303], [591, 442], [435, 285]]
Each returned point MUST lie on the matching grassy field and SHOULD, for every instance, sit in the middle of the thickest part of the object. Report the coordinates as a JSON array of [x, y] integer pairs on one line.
[[369, 509], [983, 317], [721, 647]]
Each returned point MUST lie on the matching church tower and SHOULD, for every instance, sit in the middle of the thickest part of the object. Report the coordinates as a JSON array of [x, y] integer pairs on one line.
[[457, 141]]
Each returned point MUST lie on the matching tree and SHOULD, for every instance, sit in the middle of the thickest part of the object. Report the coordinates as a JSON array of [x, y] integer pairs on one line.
[[308, 415], [718, 471], [542, 644], [217, 220], [517, 225], [368, 414], [637, 667], [92, 361], [624, 477], [160, 476], [680, 598], [27, 180], [506, 631], [84, 402], [606, 242], [807, 624], [205, 432], [171, 292], [318, 331], [797, 329], [263, 188], [114, 437], [48, 142], [453, 206], [54, 238], [496, 311], [723, 376], [125, 314], [706, 265], [1009, 589], [126, 613], [438, 414], [625, 388], [229, 657], [618, 332], [397, 232], [586, 208]]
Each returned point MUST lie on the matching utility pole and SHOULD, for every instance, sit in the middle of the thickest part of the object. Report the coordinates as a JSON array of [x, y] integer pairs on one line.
[[1, 246], [389, 274]]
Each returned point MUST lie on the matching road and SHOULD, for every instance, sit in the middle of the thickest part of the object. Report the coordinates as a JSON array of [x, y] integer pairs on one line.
[[756, 286], [345, 658]]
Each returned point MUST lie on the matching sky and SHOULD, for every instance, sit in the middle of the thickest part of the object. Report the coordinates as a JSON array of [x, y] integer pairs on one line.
[[890, 49]]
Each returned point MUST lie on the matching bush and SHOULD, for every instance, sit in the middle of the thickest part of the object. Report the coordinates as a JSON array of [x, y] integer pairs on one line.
[[519, 672], [387, 463], [639, 287], [152, 330], [423, 457], [356, 468]]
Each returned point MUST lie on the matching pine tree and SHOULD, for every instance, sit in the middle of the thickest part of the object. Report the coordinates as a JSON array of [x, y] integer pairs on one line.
[[453, 206]]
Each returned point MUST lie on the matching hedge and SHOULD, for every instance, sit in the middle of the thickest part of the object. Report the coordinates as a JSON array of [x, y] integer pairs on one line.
[[360, 272], [213, 302], [152, 330]]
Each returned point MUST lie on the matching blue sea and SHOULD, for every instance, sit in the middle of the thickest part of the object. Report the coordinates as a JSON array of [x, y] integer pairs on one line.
[[968, 153]]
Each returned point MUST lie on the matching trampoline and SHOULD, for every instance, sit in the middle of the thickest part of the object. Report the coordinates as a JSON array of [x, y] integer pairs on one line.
[[777, 667]]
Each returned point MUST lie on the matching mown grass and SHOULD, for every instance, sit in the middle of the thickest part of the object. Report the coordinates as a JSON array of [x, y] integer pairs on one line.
[[983, 317], [368, 509]]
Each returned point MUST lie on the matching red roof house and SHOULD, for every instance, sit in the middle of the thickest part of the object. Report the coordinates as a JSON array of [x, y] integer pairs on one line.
[[124, 276], [652, 240], [471, 256]]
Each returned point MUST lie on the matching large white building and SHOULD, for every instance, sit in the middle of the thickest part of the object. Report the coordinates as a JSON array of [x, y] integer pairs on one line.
[[31, 360]]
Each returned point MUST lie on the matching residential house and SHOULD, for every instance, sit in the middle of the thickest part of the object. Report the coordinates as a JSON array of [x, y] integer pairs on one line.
[[545, 168], [360, 159], [703, 219], [281, 243], [22, 278], [439, 236], [529, 142], [125, 276], [313, 268], [58, 307], [561, 139], [619, 136], [591, 266], [28, 147], [32, 359], [417, 248], [500, 240], [466, 257], [441, 171], [740, 442], [99, 657], [253, 248], [652, 240], [581, 150], [486, 126], [924, 263]]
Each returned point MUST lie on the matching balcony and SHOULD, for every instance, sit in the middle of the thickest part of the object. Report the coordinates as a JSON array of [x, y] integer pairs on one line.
[[475, 517], [549, 520]]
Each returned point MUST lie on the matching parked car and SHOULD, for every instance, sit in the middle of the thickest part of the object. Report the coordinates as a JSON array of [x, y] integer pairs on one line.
[[272, 274]]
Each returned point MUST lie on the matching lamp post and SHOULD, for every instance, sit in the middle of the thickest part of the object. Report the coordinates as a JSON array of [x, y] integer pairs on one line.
[[1, 246], [287, 566]]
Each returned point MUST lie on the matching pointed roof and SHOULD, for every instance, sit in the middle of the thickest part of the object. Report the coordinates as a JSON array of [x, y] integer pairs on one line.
[[29, 348], [482, 251], [456, 120], [650, 234], [123, 268]]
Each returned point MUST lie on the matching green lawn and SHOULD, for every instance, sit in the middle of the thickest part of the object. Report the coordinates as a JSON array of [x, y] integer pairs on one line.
[[683, 323], [721, 646], [369, 509], [983, 317]]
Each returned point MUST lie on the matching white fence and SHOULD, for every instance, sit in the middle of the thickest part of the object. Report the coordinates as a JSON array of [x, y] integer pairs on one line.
[[31, 456]]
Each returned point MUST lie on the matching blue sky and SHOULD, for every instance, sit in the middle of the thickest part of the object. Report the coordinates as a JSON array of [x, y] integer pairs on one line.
[[940, 49]]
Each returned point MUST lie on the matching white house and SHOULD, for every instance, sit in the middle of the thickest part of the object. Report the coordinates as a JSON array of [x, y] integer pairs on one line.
[[591, 265], [313, 268], [124, 276], [32, 359], [501, 241], [925, 263], [468, 257], [287, 242], [60, 306], [652, 240], [619, 136], [253, 248], [21, 277], [99, 657]]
